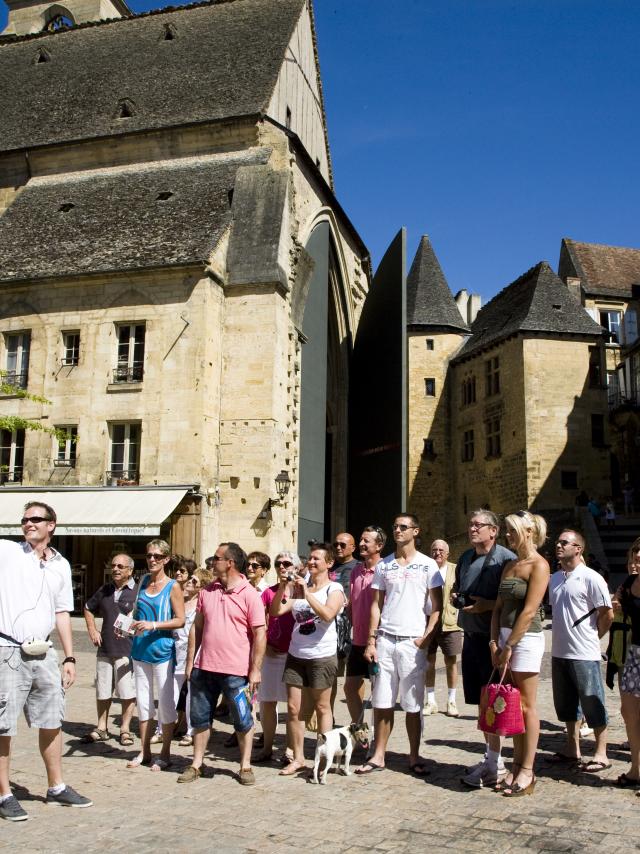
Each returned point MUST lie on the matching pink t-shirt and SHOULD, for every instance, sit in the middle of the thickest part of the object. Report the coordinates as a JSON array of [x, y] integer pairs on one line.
[[279, 629], [360, 598], [229, 616]]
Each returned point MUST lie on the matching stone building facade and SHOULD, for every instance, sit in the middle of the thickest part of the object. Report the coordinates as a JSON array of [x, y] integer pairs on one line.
[[179, 280], [506, 409]]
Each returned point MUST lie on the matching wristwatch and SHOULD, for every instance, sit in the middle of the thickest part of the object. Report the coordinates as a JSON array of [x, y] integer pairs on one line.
[[69, 660]]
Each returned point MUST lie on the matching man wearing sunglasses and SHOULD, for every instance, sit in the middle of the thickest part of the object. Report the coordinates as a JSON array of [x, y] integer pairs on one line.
[[475, 590], [36, 596], [582, 614], [404, 585], [114, 668]]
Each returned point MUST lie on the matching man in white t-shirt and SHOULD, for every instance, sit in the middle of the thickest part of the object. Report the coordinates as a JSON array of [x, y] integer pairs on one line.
[[399, 634], [582, 614], [35, 597]]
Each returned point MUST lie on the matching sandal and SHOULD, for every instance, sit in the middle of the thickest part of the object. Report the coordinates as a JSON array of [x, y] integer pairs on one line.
[[264, 756], [126, 739], [160, 764], [96, 735], [139, 760], [503, 785], [626, 782]]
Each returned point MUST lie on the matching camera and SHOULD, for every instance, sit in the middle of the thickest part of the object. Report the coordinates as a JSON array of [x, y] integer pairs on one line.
[[291, 576], [308, 628], [461, 600]]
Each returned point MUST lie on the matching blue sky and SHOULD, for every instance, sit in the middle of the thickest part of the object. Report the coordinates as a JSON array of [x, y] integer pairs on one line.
[[495, 126]]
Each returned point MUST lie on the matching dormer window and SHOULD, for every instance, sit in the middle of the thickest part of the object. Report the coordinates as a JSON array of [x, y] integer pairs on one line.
[[164, 196], [41, 56], [65, 207], [126, 109], [169, 33], [58, 18]]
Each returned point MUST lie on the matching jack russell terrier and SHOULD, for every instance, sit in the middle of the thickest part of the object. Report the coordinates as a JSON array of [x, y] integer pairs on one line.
[[337, 743]]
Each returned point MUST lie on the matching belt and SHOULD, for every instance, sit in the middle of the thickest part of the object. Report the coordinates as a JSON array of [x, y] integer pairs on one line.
[[395, 638]]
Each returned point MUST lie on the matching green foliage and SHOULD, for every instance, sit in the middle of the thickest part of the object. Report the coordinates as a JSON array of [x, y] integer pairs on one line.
[[16, 422]]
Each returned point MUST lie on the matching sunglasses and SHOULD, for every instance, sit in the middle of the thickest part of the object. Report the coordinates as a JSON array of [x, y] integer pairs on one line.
[[401, 527], [153, 556], [283, 563], [35, 519], [254, 565], [340, 545], [119, 566], [566, 543], [477, 525]]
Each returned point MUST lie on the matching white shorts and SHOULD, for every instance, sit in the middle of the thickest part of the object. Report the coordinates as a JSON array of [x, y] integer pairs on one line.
[[158, 676], [114, 673], [272, 689], [402, 673], [527, 653]]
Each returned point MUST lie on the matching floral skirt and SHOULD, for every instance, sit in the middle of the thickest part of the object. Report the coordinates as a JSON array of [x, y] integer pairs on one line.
[[630, 682]]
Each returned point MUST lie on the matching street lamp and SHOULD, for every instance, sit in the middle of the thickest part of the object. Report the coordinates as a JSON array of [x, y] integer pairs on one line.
[[283, 483]]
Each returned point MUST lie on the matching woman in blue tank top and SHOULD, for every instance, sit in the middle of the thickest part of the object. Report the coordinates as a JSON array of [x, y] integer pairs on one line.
[[159, 610]]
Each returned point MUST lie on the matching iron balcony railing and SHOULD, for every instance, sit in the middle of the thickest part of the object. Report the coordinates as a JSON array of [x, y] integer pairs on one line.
[[122, 477], [13, 475], [128, 373]]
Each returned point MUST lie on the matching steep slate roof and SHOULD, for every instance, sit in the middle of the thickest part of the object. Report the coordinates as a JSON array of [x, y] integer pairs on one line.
[[223, 62], [116, 221], [429, 300], [537, 302], [605, 270]]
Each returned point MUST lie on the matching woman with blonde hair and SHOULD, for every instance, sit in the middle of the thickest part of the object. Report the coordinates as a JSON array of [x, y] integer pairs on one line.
[[517, 639]]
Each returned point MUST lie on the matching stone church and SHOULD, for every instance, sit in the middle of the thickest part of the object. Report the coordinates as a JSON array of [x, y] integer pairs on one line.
[[179, 280]]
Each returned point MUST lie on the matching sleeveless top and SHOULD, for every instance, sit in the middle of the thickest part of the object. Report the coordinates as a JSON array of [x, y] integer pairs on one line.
[[154, 647], [513, 592]]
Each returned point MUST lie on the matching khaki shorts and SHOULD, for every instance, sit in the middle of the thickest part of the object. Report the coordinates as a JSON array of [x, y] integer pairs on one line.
[[449, 642], [114, 673], [316, 673], [30, 683]]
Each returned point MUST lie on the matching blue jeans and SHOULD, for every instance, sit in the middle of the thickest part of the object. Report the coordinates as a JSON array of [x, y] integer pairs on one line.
[[205, 688], [578, 688]]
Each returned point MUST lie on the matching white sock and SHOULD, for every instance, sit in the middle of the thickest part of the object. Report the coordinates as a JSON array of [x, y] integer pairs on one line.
[[452, 695], [431, 696], [55, 790], [4, 798], [493, 758]]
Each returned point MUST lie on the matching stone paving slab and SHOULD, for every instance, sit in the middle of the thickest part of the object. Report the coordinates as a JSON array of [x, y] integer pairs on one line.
[[393, 811]]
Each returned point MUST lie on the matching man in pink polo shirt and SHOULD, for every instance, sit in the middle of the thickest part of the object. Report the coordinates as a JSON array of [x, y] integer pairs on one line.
[[371, 544], [226, 647]]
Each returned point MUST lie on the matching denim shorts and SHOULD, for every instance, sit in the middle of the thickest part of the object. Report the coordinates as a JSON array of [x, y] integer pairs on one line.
[[578, 689], [205, 688]]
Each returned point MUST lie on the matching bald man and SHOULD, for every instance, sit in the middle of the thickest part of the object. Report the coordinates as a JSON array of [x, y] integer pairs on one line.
[[448, 636], [344, 546]]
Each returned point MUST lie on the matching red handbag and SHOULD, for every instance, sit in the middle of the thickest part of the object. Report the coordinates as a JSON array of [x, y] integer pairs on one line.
[[500, 708]]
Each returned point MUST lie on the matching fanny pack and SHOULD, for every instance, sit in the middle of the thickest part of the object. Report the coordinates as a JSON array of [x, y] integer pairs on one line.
[[33, 646]]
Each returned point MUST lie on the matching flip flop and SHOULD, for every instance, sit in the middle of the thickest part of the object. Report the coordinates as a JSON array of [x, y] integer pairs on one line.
[[626, 782], [419, 769], [291, 770], [593, 766], [138, 760], [369, 768], [562, 759]]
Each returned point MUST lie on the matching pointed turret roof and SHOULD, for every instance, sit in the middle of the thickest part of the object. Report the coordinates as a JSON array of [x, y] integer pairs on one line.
[[430, 303], [537, 302]]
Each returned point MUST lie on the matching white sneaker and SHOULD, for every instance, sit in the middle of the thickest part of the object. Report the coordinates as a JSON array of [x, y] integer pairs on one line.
[[483, 775], [585, 730], [452, 709], [431, 708], [156, 738]]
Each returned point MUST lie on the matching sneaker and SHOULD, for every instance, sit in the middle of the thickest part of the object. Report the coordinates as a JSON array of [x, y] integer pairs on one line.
[[431, 708], [452, 709], [11, 810], [483, 776], [156, 738], [585, 731], [68, 797]]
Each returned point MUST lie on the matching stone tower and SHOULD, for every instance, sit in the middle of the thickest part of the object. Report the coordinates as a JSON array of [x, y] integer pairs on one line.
[[435, 331]]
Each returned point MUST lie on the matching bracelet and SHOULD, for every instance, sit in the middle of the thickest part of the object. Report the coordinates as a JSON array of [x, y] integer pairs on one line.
[[69, 660]]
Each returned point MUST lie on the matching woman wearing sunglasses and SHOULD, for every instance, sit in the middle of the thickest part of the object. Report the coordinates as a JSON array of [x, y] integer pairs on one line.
[[312, 661], [158, 612], [272, 689]]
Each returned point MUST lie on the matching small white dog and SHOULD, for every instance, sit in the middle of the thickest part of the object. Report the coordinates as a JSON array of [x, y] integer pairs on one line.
[[337, 743]]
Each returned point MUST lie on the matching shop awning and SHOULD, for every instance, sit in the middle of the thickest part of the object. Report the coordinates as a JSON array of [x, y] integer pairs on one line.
[[107, 512]]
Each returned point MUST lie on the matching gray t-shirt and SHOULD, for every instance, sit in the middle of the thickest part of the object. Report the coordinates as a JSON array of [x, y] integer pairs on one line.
[[488, 569]]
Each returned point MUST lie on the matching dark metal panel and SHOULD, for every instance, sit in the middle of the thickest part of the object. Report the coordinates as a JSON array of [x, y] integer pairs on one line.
[[378, 398], [313, 390]]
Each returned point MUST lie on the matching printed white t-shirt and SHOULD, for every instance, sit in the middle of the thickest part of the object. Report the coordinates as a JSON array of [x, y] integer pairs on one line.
[[571, 596], [31, 592], [323, 641], [406, 589]]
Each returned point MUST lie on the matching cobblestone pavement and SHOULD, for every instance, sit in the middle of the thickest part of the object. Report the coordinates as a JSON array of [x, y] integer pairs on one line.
[[139, 811]]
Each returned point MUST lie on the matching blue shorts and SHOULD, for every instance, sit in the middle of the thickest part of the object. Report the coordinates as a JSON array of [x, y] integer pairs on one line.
[[205, 688], [578, 689]]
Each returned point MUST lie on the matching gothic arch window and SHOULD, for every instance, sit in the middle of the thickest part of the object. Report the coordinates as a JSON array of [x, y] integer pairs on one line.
[[58, 18]]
